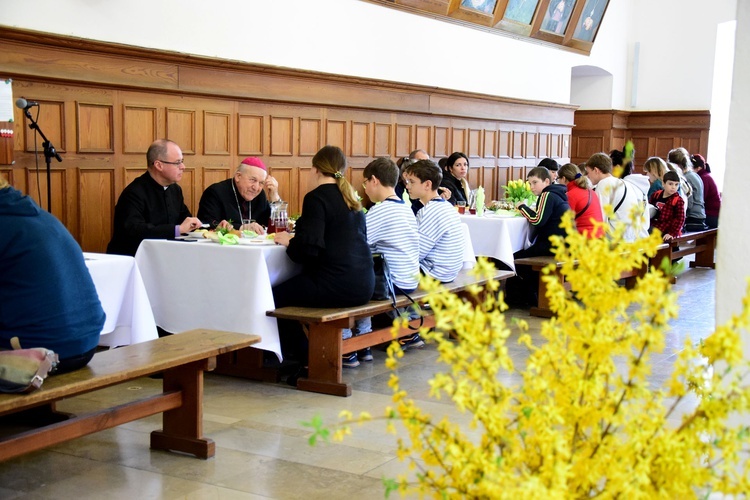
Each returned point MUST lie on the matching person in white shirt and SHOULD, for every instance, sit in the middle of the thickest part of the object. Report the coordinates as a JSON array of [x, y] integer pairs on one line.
[[628, 200], [441, 239], [391, 231]]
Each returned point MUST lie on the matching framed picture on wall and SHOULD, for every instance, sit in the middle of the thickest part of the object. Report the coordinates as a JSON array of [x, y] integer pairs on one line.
[[589, 20], [483, 6], [557, 16], [520, 11]]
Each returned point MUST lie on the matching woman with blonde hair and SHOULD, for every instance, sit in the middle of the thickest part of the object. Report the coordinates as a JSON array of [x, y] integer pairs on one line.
[[330, 242], [655, 168], [582, 200]]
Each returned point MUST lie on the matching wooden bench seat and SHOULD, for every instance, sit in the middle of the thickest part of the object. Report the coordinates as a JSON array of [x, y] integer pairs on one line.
[[324, 332], [700, 243], [543, 309], [182, 358]]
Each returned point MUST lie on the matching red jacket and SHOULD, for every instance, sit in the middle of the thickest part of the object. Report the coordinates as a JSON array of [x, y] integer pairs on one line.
[[577, 199]]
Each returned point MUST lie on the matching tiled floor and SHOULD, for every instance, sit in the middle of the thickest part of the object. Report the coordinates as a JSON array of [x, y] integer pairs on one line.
[[262, 449]]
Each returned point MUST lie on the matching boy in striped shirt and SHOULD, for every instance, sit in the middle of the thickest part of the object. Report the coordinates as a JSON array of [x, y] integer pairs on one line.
[[441, 239]]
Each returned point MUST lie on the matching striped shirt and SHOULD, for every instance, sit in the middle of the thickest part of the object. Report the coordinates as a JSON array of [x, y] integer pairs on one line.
[[441, 240], [392, 231]]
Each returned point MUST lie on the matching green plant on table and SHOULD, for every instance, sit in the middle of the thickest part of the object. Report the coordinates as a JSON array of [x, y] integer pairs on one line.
[[585, 421], [519, 190]]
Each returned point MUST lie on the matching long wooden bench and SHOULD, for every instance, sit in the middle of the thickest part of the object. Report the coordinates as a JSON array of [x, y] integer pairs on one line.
[[324, 331], [543, 309], [700, 243], [182, 358]]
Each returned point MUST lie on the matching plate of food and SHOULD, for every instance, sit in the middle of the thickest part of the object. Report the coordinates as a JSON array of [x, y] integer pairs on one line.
[[261, 239]]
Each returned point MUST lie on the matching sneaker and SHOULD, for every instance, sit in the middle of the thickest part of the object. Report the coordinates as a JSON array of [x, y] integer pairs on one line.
[[349, 360], [412, 342], [365, 354]]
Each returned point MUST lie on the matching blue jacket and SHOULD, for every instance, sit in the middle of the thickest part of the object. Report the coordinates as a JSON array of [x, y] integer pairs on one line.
[[47, 296]]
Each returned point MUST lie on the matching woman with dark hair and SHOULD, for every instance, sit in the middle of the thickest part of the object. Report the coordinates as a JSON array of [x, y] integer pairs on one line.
[[454, 178], [618, 157], [695, 219], [711, 195], [330, 242]]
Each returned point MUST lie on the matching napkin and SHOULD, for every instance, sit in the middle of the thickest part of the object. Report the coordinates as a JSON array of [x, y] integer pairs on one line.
[[479, 200]]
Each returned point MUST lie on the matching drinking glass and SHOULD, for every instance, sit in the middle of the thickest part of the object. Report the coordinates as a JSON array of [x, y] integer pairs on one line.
[[461, 207]]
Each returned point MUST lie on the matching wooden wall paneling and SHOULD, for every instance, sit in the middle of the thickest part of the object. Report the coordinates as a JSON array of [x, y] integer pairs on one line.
[[138, 128], [424, 139], [130, 173], [517, 148], [360, 139], [94, 128], [250, 135], [475, 147], [556, 144], [490, 143], [643, 149], [180, 127], [336, 134], [285, 177], [565, 145], [383, 140], [442, 141], [36, 186], [96, 207], [310, 136], [191, 190], [504, 175], [458, 144], [488, 180], [517, 172], [282, 136], [51, 119], [505, 144], [217, 133], [545, 141], [531, 145], [404, 140], [7, 174], [663, 145], [211, 176]]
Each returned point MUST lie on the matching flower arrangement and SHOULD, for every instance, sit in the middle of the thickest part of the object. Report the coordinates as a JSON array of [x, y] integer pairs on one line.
[[585, 420], [518, 190]]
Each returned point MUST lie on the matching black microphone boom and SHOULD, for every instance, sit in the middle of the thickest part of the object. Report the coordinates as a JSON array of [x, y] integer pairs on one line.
[[23, 104]]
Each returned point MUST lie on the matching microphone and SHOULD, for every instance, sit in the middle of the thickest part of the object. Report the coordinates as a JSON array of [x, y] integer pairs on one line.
[[23, 104]]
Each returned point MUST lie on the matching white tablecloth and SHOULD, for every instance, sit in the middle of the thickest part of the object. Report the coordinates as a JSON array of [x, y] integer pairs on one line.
[[206, 285], [124, 299], [497, 237], [470, 259]]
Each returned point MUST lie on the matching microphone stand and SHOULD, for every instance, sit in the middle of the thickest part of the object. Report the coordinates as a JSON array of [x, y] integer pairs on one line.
[[49, 153]]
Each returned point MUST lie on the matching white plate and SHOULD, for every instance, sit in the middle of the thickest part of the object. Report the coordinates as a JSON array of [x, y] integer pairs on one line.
[[260, 240]]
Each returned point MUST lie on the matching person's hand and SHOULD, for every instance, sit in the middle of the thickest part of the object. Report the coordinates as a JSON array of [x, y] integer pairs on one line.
[[190, 224], [253, 226], [667, 237], [272, 188], [224, 225], [445, 194], [282, 238]]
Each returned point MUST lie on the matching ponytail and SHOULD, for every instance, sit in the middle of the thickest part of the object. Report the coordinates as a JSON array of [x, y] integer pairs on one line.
[[571, 173], [331, 161]]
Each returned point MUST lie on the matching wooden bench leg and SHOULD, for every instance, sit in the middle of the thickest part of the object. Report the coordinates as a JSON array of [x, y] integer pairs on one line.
[[705, 258], [183, 426], [246, 363], [324, 362], [543, 310]]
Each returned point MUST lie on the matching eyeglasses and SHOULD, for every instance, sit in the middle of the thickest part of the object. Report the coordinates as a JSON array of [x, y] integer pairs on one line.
[[252, 180], [364, 183], [178, 162]]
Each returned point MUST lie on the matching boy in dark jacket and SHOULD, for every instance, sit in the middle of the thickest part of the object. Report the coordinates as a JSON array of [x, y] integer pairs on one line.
[[551, 204]]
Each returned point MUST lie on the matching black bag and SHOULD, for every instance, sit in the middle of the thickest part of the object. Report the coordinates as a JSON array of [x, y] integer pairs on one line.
[[384, 290], [693, 225], [383, 284]]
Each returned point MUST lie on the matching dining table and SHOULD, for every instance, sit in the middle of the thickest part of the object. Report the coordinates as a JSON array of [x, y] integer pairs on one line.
[[123, 296], [497, 235], [194, 283]]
